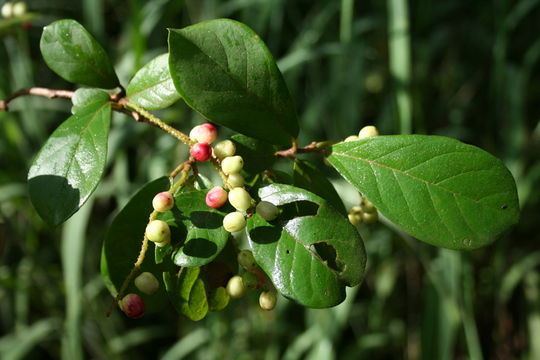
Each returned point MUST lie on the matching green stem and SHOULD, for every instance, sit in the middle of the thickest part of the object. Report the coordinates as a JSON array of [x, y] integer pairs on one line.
[[154, 120], [144, 245]]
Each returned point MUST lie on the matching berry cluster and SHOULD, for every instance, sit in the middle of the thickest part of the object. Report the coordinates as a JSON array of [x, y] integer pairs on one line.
[[365, 132], [253, 278], [158, 231], [13, 10], [366, 212], [132, 304]]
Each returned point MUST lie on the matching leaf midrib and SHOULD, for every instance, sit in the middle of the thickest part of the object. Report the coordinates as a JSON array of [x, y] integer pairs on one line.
[[235, 80], [428, 183]]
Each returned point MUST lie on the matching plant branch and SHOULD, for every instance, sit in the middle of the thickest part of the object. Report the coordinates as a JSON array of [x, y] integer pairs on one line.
[[143, 115], [38, 91], [184, 169], [314, 147]]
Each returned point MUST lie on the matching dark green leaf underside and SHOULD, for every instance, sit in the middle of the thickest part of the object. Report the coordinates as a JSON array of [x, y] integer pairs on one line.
[[310, 258], [123, 243], [71, 52], [438, 189], [70, 164], [307, 176], [224, 71], [152, 86]]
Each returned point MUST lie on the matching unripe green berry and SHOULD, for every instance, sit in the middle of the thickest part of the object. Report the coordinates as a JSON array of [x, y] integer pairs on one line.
[[350, 138], [356, 210], [240, 199], [250, 280], [147, 283], [235, 180], [132, 305], [370, 218], [158, 231], [163, 201], [268, 300], [224, 149], [267, 210], [246, 260], [367, 206], [234, 222], [232, 164], [355, 219], [7, 10], [368, 131], [235, 287], [19, 8]]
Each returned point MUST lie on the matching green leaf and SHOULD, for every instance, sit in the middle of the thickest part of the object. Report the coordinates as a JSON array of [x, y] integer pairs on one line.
[[86, 96], [311, 257], [200, 226], [258, 155], [123, 241], [218, 299], [70, 165], [152, 87], [72, 53], [438, 189], [307, 176], [224, 70], [187, 293]]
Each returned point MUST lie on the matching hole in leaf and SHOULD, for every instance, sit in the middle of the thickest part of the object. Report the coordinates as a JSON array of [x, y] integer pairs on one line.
[[287, 251], [327, 253], [504, 207], [298, 209]]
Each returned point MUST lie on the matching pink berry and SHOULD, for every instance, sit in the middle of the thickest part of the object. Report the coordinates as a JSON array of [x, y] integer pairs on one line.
[[133, 306], [204, 133], [163, 201], [216, 197], [201, 151]]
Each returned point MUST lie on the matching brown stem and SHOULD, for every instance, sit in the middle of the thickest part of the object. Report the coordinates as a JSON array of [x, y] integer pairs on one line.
[[313, 147], [38, 91]]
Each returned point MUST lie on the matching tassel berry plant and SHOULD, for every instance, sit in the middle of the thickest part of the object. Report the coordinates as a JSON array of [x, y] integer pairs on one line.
[[301, 241]]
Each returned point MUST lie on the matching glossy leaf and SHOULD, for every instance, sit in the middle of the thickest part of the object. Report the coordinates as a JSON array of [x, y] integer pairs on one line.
[[152, 86], [123, 241], [258, 155], [187, 293], [307, 176], [72, 53], [86, 96], [224, 70], [200, 229], [70, 165], [310, 258], [438, 189]]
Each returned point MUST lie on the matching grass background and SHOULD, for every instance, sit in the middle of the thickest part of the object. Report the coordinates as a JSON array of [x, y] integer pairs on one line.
[[463, 69]]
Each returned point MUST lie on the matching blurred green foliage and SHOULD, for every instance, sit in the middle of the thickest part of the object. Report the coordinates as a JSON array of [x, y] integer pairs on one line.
[[456, 68]]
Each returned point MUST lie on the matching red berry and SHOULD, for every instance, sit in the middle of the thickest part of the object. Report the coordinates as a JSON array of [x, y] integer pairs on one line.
[[216, 197], [204, 133], [133, 306], [201, 151]]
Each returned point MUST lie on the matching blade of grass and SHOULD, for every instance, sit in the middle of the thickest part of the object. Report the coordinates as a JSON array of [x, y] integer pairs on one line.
[[73, 239], [400, 60], [187, 344]]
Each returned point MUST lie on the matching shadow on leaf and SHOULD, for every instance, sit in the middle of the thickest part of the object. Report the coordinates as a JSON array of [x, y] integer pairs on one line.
[[206, 219], [265, 234], [199, 247], [54, 199]]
